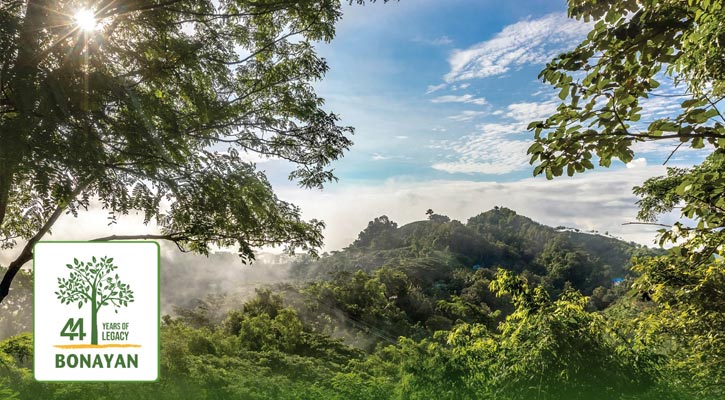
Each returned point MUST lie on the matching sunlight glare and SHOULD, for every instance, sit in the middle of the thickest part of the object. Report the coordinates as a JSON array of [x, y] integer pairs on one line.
[[86, 20]]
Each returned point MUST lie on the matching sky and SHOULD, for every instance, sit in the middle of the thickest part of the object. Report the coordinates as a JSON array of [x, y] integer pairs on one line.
[[440, 94]]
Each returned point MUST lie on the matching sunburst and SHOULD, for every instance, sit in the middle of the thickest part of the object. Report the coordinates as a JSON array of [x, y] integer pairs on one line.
[[86, 20]]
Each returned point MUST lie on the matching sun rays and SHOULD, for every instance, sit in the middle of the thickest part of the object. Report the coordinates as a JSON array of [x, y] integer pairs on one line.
[[85, 19]]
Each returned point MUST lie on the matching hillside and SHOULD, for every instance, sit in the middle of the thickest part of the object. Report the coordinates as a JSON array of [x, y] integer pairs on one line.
[[434, 308], [496, 238], [433, 275]]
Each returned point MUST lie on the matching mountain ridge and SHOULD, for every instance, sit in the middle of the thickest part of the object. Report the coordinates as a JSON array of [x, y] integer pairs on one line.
[[495, 238]]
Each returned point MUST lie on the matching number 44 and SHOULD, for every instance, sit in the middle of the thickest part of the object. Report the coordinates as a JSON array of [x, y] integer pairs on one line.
[[72, 329]]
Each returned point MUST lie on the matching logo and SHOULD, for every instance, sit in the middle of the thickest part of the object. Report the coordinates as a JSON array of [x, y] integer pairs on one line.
[[96, 311]]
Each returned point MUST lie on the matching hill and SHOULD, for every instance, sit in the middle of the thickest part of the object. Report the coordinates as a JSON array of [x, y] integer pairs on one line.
[[496, 238], [434, 308], [435, 274]]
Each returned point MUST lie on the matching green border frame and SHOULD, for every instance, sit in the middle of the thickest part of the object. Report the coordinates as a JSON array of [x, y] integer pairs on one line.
[[158, 307]]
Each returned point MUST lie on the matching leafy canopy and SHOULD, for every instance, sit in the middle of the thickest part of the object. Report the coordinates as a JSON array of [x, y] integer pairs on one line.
[[159, 110], [604, 84]]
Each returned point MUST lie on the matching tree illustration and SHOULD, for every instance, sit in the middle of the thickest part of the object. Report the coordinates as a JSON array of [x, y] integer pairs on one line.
[[90, 282]]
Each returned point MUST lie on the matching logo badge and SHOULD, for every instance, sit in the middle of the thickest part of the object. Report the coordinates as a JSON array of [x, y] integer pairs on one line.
[[96, 311]]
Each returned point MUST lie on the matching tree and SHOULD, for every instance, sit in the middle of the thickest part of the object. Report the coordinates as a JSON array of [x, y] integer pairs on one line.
[[155, 107], [380, 232], [555, 349], [603, 84], [604, 80], [89, 282]]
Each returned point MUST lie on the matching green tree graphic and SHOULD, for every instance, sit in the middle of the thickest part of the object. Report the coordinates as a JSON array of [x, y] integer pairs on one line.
[[90, 282]]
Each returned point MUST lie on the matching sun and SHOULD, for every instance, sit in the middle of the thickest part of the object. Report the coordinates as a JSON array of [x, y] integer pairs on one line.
[[86, 20]]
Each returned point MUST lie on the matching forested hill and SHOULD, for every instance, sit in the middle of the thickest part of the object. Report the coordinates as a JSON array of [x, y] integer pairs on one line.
[[432, 309], [430, 251]]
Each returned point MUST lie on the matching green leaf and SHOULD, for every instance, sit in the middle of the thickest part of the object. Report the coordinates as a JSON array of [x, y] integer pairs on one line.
[[570, 170], [564, 92]]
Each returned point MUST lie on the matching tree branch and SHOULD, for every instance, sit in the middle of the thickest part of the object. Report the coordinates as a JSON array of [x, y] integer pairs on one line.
[[176, 238], [113, 299], [644, 136], [714, 106], [673, 153], [82, 275], [27, 253], [114, 12], [647, 223]]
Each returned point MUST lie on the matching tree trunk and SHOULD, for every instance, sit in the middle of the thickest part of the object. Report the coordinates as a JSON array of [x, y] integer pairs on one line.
[[27, 253], [13, 268]]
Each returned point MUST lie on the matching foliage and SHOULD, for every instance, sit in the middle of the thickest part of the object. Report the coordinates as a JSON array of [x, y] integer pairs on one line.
[[546, 349], [90, 282], [429, 251], [378, 234], [605, 79], [604, 84], [158, 111], [400, 332], [566, 352]]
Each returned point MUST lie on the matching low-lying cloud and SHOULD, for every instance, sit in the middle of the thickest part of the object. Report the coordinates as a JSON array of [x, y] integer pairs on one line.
[[600, 200]]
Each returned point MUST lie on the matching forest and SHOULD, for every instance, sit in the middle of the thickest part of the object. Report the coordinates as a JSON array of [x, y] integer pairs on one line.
[[160, 110], [499, 307]]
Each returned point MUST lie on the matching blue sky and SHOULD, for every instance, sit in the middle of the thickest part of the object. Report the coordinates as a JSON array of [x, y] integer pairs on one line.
[[392, 79], [440, 94]]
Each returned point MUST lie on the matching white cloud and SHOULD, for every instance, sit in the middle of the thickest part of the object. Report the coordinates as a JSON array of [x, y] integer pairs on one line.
[[496, 129], [439, 41], [380, 157], [637, 163], [466, 115], [527, 112], [659, 151], [466, 98], [497, 148], [486, 153], [435, 88], [600, 200], [657, 107], [256, 158], [491, 150], [401, 137], [525, 42], [488, 168]]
